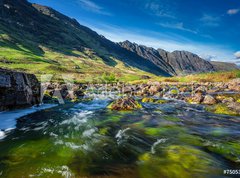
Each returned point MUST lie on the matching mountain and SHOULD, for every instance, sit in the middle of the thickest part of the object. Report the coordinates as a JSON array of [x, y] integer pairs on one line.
[[175, 63], [150, 54], [35, 31], [224, 66], [39, 40]]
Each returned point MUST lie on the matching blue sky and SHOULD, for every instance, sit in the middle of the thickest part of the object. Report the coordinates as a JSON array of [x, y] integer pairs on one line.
[[209, 28]]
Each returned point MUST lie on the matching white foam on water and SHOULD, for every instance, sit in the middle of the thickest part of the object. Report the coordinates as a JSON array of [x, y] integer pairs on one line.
[[159, 141], [73, 146], [64, 171], [88, 133], [96, 104], [121, 134], [2, 135], [78, 118], [8, 118]]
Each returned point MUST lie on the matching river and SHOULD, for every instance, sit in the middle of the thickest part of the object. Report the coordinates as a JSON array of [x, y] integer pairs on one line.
[[86, 139]]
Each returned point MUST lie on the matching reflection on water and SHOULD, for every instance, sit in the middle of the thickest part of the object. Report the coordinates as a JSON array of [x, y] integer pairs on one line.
[[87, 140]]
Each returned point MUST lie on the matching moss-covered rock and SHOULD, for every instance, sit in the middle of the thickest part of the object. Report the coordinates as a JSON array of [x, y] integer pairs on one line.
[[175, 161], [230, 150], [161, 101], [195, 99], [174, 92], [125, 104], [221, 109], [148, 100]]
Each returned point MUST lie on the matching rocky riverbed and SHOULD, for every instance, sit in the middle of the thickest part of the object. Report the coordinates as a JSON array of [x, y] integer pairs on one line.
[[222, 98]]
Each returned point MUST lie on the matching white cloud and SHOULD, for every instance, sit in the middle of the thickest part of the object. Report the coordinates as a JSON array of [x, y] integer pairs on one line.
[[91, 6], [209, 20], [208, 57], [233, 11], [159, 9], [237, 54], [178, 26]]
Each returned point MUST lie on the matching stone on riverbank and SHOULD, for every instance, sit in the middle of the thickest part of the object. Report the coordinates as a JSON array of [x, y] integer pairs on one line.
[[209, 100], [18, 90]]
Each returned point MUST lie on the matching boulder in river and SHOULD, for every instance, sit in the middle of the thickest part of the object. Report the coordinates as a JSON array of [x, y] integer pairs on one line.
[[18, 90], [125, 104], [195, 99], [210, 100]]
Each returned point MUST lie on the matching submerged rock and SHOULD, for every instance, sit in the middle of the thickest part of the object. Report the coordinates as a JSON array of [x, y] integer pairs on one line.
[[230, 109], [125, 104], [175, 161]]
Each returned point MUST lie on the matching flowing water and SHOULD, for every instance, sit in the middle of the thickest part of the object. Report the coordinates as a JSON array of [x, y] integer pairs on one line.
[[87, 140]]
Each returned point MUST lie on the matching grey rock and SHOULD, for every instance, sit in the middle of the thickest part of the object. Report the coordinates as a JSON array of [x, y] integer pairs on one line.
[[150, 54], [209, 100], [18, 90], [175, 63], [5, 81]]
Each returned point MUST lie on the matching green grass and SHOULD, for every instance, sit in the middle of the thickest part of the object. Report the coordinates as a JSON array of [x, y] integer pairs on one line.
[[84, 66]]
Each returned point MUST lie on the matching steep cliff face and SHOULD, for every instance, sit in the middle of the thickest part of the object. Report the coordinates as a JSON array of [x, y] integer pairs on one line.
[[185, 62], [175, 63], [18, 90], [150, 54]]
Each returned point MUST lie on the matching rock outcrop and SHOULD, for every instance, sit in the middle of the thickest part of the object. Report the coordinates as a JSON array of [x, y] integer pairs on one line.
[[185, 62], [18, 90], [175, 63], [150, 54]]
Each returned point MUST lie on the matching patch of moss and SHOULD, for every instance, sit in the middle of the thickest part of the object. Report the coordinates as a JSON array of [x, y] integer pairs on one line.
[[148, 100], [161, 101], [176, 162], [221, 109], [103, 131], [230, 150], [174, 92]]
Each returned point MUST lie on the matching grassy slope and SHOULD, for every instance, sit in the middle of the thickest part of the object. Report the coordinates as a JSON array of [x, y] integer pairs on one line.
[[83, 66]]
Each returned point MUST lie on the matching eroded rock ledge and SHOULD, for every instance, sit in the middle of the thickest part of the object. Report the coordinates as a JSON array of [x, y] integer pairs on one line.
[[18, 90]]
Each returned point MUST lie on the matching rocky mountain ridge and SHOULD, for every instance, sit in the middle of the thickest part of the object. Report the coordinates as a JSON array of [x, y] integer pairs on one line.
[[36, 27], [177, 62]]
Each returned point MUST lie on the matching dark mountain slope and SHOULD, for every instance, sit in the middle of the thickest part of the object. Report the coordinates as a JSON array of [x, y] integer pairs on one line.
[[148, 53], [34, 26], [177, 62], [185, 62]]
